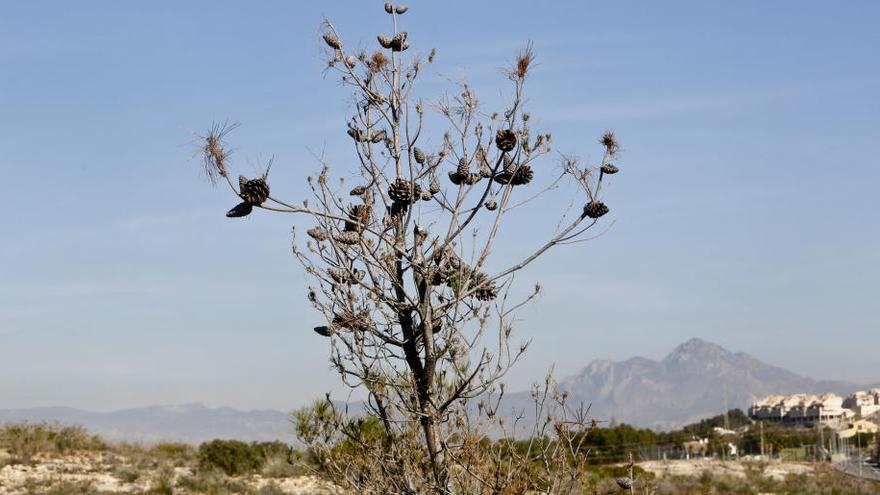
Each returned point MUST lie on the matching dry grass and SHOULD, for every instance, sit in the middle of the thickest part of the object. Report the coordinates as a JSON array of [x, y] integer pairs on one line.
[[53, 459]]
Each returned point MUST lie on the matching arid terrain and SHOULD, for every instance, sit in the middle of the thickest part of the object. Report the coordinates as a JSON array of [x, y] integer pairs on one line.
[[108, 472], [135, 470]]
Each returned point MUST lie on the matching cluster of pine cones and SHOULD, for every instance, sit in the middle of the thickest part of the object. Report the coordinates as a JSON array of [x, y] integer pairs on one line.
[[517, 175], [453, 272], [346, 320], [404, 193]]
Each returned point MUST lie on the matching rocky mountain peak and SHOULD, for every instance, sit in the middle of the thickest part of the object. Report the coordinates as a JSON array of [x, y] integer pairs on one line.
[[686, 385]]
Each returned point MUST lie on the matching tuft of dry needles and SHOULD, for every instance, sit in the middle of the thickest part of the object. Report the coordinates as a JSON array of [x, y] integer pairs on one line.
[[524, 61], [214, 151]]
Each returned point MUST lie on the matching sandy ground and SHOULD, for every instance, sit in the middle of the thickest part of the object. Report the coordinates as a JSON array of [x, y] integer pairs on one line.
[[97, 469], [773, 469]]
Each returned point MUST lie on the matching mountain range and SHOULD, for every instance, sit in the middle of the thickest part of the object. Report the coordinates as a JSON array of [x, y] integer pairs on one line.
[[191, 423], [685, 386]]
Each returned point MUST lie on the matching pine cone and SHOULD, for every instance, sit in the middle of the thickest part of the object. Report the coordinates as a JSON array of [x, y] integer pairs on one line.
[[240, 210], [505, 139], [385, 41], [358, 191], [332, 41], [347, 238], [516, 176], [419, 155], [378, 137], [624, 482], [254, 191], [595, 209], [609, 169], [324, 331], [427, 196], [401, 9], [346, 319], [398, 42], [404, 191], [318, 234], [359, 217], [491, 205], [463, 167], [467, 179], [485, 289], [389, 7], [522, 176], [357, 134]]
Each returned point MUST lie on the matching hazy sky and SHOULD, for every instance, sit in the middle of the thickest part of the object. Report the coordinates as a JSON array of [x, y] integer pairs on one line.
[[746, 209]]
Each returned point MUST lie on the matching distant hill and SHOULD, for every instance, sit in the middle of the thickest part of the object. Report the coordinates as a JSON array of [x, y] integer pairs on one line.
[[191, 423], [685, 386]]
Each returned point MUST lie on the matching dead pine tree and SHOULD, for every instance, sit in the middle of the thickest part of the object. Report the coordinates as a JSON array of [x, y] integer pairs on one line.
[[416, 313]]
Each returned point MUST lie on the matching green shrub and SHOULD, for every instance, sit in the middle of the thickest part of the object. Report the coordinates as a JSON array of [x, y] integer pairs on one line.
[[66, 439], [235, 457], [24, 441], [179, 454], [271, 450]]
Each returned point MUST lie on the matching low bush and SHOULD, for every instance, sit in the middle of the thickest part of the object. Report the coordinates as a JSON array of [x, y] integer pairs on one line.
[[176, 453], [126, 473], [26, 440], [234, 457], [163, 482], [211, 482]]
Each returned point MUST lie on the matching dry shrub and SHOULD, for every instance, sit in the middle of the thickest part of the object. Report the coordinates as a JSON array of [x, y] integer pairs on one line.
[[212, 482], [24, 441]]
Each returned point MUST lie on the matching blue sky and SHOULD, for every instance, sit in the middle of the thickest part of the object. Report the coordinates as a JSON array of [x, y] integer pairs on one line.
[[746, 209]]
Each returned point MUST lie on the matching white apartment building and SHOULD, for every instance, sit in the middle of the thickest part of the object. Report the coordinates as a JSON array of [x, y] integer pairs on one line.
[[797, 409], [864, 403]]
